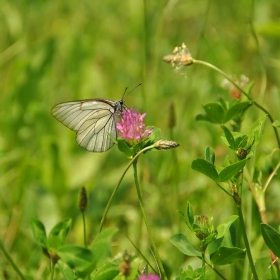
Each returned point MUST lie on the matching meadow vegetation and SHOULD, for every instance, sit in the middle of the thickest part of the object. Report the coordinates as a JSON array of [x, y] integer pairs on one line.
[[57, 51]]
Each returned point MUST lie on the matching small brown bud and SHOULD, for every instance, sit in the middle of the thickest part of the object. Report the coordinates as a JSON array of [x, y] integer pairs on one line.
[[54, 257], [125, 265], [166, 144], [242, 153], [83, 200]]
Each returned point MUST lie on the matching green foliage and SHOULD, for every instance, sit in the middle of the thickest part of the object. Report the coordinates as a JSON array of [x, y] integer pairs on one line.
[[221, 112], [220, 244], [75, 260], [181, 242], [56, 51], [271, 238], [205, 167], [188, 273]]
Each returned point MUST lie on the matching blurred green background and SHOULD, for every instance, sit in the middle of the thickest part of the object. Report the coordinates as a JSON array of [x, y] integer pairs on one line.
[[56, 51]]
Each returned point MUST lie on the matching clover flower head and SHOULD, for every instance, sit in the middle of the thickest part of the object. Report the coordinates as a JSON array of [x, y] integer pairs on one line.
[[151, 276], [181, 57], [204, 226], [234, 92], [132, 128]]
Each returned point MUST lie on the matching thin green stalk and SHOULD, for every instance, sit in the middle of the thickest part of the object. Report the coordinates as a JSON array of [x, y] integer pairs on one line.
[[215, 270], [272, 174], [262, 61], [143, 257], [52, 270], [239, 88], [21, 276], [224, 190], [203, 261], [246, 243], [155, 251], [118, 184], [85, 232]]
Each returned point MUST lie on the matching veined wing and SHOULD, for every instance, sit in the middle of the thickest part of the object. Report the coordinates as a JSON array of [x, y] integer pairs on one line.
[[92, 120]]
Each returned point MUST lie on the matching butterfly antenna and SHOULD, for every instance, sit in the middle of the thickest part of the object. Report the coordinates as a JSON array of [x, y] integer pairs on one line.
[[131, 90]]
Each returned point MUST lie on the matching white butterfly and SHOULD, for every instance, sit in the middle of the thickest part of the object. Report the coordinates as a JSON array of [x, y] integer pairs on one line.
[[92, 120]]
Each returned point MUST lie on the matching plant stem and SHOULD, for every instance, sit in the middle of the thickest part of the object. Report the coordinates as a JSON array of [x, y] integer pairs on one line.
[[85, 232], [224, 190], [139, 252], [272, 174], [21, 276], [214, 269], [239, 88], [118, 184], [52, 270], [246, 242], [163, 276]]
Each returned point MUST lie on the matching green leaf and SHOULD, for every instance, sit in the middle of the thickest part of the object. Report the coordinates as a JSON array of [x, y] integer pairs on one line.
[[206, 168], [224, 226], [58, 234], [187, 273], [236, 110], [39, 232], [228, 172], [181, 242], [229, 137], [106, 272], [66, 271], [203, 117], [227, 161], [156, 133], [276, 123], [215, 112], [223, 103], [100, 246], [240, 140], [257, 129], [227, 255], [271, 238], [249, 87], [210, 155], [232, 102], [77, 258], [124, 147], [189, 216]]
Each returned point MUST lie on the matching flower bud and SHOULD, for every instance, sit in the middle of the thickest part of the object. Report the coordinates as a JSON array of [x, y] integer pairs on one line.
[[242, 153], [83, 200], [166, 144], [125, 266], [203, 227]]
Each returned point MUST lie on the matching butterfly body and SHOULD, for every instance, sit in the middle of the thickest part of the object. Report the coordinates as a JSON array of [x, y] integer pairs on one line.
[[92, 120]]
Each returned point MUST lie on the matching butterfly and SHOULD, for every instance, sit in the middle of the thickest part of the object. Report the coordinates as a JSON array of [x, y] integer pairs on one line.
[[92, 120]]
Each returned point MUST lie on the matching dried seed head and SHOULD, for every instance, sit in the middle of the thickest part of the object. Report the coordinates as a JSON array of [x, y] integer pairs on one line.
[[180, 58], [83, 200], [166, 144]]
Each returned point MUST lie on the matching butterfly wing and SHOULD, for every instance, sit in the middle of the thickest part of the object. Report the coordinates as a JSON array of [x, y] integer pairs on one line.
[[92, 120]]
